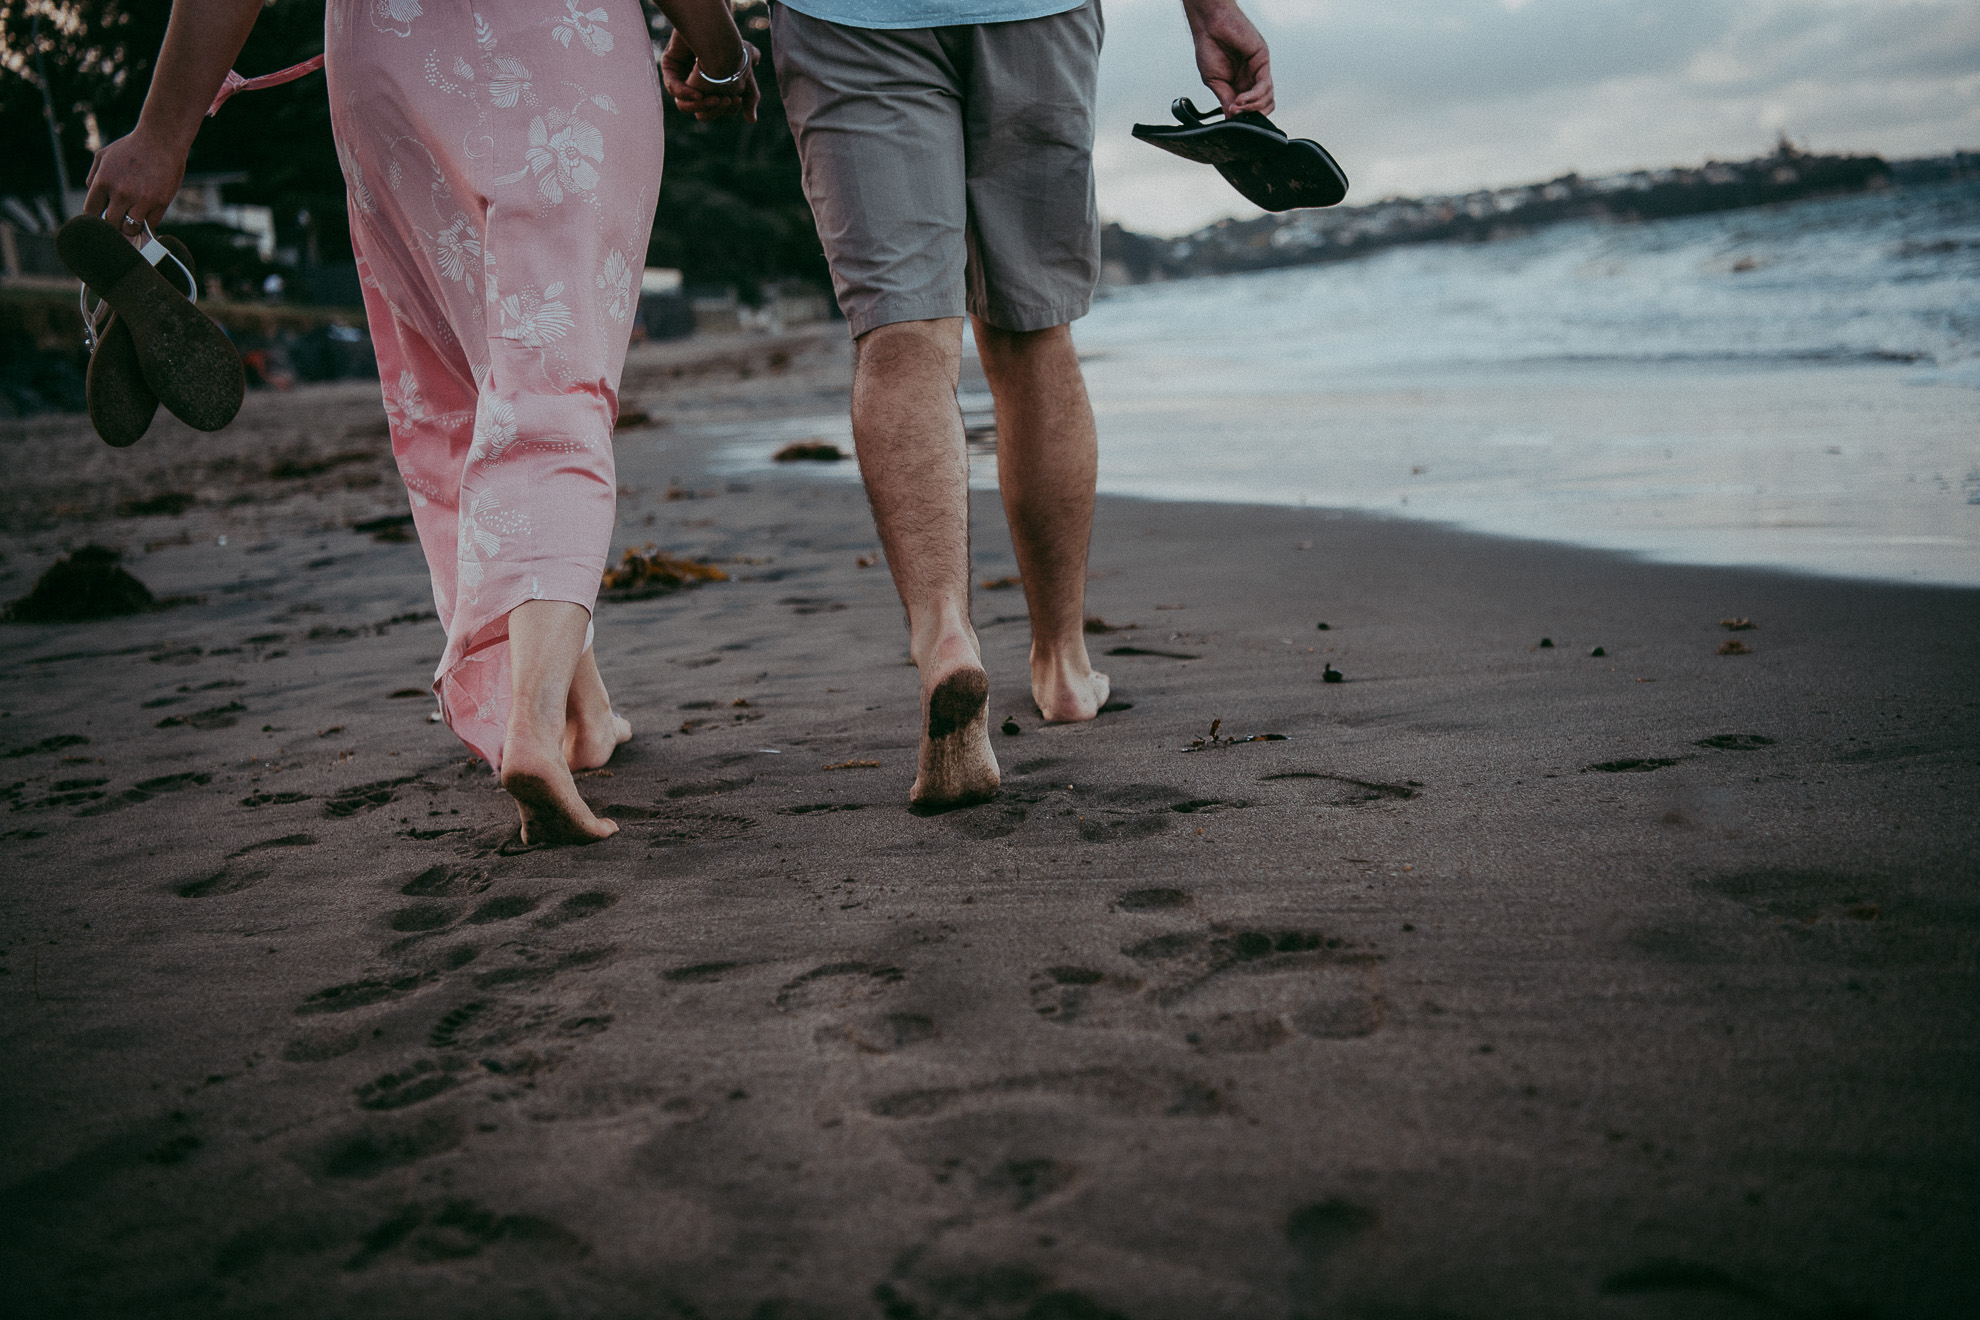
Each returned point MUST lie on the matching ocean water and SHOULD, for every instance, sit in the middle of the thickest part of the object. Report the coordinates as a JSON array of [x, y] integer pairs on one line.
[[1879, 277], [1796, 387]]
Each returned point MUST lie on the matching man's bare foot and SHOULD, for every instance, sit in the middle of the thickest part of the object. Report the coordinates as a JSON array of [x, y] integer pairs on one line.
[[536, 775], [957, 767], [1067, 692]]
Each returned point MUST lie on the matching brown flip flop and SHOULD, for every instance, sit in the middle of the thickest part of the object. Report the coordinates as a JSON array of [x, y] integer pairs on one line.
[[185, 358], [121, 405]]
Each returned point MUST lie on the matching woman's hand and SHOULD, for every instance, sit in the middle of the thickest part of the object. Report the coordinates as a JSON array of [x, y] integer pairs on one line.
[[680, 73], [1231, 56], [133, 180]]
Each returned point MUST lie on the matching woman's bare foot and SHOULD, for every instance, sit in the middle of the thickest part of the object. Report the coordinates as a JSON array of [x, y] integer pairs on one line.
[[546, 657], [1067, 688], [536, 775], [592, 730], [957, 768]]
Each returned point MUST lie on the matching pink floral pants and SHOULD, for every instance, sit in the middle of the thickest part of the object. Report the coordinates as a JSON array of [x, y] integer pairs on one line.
[[502, 162]]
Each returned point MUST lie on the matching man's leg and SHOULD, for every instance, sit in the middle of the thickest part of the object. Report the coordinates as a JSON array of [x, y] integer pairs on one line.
[[909, 434], [1046, 460]]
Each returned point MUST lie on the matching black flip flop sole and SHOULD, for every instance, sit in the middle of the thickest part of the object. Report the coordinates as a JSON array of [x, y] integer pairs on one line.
[[121, 405], [1271, 170], [185, 358]]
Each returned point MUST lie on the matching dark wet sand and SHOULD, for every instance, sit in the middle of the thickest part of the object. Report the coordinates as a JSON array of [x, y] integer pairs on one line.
[[1512, 982]]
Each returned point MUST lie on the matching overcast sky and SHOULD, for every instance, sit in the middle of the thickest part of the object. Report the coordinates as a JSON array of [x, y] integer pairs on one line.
[[1418, 96]]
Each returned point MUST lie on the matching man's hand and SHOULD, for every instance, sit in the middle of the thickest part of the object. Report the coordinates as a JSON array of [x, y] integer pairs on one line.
[[134, 177], [1231, 56], [693, 95]]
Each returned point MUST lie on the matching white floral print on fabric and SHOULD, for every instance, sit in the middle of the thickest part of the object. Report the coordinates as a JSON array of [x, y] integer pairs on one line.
[[404, 404], [565, 150], [616, 282], [494, 431], [484, 525], [509, 82], [457, 248], [395, 16], [580, 23], [354, 180], [422, 492], [534, 319]]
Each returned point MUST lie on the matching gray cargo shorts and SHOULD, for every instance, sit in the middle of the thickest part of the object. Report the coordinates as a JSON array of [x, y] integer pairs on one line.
[[950, 169]]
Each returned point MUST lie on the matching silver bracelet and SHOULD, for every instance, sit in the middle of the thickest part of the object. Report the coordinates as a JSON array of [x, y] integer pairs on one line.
[[749, 58]]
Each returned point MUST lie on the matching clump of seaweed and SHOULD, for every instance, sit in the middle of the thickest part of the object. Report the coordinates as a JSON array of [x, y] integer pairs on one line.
[[88, 584], [650, 571], [809, 451]]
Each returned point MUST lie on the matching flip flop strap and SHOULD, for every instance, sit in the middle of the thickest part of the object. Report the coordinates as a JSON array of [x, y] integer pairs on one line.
[[1186, 112], [235, 83]]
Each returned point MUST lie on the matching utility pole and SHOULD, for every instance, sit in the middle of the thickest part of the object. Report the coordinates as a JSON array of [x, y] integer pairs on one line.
[[48, 113]]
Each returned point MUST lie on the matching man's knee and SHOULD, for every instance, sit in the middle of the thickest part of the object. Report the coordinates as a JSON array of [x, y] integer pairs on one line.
[[911, 344], [1021, 345]]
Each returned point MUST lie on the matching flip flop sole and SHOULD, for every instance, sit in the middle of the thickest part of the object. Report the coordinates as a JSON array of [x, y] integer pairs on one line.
[[121, 405], [1273, 172], [185, 358]]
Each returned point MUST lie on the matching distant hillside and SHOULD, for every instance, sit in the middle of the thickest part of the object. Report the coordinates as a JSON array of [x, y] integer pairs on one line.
[[1300, 238]]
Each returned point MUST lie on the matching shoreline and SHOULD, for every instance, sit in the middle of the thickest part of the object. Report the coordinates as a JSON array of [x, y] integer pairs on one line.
[[1513, 981]]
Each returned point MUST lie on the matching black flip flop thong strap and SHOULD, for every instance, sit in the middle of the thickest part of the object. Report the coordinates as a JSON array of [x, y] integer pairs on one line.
[[1253, 154]]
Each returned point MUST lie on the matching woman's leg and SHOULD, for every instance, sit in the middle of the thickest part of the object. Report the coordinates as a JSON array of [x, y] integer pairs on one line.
[[546, 648], [506, 218]]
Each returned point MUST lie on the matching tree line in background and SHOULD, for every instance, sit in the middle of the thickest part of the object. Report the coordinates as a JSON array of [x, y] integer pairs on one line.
[[731, 210]]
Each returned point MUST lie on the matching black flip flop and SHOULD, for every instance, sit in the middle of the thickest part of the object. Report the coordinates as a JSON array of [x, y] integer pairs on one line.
[[185, 358], [121, 405], [1253, 154]]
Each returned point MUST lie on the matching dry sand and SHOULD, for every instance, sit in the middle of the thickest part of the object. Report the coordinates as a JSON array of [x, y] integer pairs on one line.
[[1512, 982]]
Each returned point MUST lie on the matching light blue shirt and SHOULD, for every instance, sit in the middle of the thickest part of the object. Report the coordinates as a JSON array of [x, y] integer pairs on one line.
[[928, 13]]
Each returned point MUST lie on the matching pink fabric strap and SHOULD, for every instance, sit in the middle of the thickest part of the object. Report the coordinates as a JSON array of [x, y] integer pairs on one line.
[[236, 83]]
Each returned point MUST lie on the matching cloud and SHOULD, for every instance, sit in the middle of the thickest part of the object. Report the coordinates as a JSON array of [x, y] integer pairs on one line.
[[1445, 95]]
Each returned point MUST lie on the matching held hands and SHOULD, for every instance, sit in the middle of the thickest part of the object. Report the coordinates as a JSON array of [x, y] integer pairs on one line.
[[1231, 56], [694, 95]]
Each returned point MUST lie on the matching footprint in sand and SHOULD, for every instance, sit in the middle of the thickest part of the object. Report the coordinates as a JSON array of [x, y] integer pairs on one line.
[[859, 1006], [577, 907], [397, 1090], [1346, 791], [372, 1149], [507, 907], [447, 882], [1224, 990], [1125, 1092], [446, 1232], [377, 989], [365, 797], [668, 826], [229, 879]]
